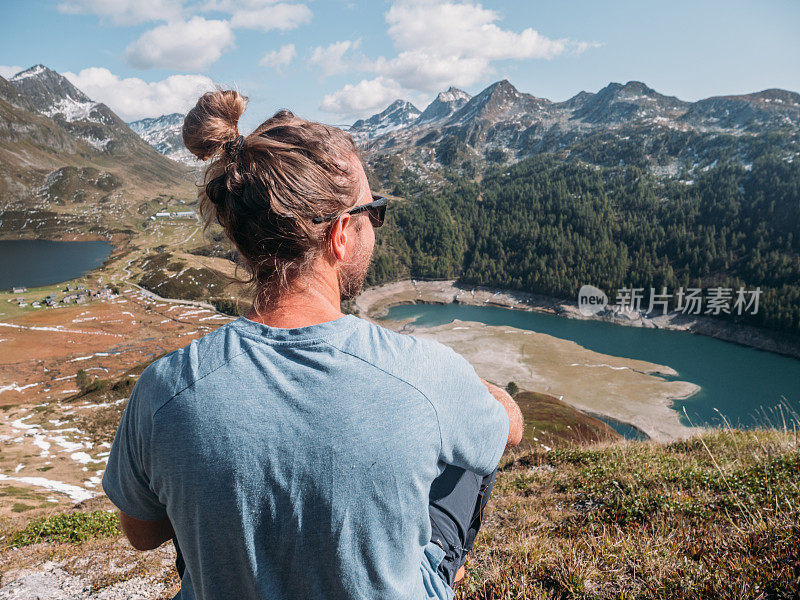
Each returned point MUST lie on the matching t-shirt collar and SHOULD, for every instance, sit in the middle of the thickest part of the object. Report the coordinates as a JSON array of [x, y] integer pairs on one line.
[[309, 332]]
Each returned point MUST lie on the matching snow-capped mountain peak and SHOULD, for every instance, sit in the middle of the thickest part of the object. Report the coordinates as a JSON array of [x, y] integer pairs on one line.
[[53, 94], [398, 114], [164, 133], [453, 94], [500, 100], [32, 72], [444, 105]]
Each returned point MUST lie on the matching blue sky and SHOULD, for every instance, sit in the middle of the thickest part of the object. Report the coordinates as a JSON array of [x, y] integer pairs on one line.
[[337, 60]]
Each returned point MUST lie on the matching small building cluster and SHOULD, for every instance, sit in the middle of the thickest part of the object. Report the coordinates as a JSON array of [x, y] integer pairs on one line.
[[73, 295], [181, 214]]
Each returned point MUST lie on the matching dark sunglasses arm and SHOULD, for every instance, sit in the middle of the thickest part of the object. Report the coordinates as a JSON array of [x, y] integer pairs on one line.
[[378, 201]]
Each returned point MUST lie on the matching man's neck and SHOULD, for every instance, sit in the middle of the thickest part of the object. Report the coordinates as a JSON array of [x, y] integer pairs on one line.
[[308, 304]]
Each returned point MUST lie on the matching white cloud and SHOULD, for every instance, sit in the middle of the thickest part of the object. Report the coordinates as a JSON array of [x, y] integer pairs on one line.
[[277, 16], [441, 43], [132, 98], [363, 97], [7, 71], [249, 14], [279, 58], [454, 43], [330, 59], [261, 14], [186, 45], [464, 29], [431, 72], [185, 40], [126, 12]]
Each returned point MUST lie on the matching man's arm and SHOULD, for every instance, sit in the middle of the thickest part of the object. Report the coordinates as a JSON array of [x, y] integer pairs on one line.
[[145, 535], [515, 420]]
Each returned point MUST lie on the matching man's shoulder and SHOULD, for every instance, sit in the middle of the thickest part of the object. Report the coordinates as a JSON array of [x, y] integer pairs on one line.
[[413, 359], [396, 343], [175, 371]]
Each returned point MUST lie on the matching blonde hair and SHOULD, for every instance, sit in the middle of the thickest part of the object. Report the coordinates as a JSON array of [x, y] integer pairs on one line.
[[266, 192]]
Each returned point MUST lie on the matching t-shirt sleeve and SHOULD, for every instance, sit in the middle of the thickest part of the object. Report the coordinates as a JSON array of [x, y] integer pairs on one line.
[[473, 424], [126, 481]]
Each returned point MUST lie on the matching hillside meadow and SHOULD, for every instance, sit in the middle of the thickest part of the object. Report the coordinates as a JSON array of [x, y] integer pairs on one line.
[[576, 513]]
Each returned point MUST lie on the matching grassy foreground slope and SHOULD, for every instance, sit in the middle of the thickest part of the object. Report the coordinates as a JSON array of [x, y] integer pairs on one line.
[[714, 516]]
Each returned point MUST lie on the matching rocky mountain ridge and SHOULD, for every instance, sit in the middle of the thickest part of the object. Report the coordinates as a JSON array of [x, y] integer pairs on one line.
[[627, 123], [397, 115], [444, 105], [53, 95]]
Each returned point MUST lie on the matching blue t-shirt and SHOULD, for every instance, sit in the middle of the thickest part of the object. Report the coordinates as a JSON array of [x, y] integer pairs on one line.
[[297, 463]]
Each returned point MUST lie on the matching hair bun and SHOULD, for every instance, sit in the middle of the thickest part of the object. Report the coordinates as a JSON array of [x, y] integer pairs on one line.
[[213, 121]]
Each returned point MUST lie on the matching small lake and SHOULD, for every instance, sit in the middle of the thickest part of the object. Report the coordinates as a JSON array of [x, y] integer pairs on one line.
[[744, 384], [33, 263]]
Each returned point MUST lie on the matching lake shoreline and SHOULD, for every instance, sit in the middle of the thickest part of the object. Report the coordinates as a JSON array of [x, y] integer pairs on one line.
[[120, 243], [374, 302], [41, 263], [104, 236], [632, 392]]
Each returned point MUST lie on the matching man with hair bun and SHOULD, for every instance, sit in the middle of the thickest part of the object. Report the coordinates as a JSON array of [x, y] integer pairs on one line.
[[298, 452]]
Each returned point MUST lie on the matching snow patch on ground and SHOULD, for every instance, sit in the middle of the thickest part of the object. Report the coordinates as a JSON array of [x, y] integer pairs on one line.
[[58, 329], [75, 493], [16, 388], [600, 365]]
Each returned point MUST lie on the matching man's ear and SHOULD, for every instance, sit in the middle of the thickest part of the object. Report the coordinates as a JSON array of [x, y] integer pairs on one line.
[[340, 235]]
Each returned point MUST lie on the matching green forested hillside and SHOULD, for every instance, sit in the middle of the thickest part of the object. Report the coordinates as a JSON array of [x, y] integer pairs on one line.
[[549, 226]]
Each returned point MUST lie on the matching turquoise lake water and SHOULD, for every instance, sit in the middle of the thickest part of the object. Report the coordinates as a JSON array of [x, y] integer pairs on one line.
[[744, 384], [33, 263]]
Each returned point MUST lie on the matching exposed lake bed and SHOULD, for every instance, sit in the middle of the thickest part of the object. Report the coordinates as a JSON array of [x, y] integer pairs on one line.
[[713, 377], [629, 391], [376, 301]]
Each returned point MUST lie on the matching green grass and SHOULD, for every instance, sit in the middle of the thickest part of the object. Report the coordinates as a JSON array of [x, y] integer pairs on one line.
[[19, 493], [551, 422], [71, 527]]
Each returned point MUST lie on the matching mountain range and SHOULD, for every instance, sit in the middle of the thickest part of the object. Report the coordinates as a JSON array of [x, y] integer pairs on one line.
[[49, 125], [614, 105], [630, 123], [622, 122]]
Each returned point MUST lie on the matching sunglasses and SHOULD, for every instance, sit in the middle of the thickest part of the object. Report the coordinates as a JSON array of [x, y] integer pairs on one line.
[[376, 211]]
